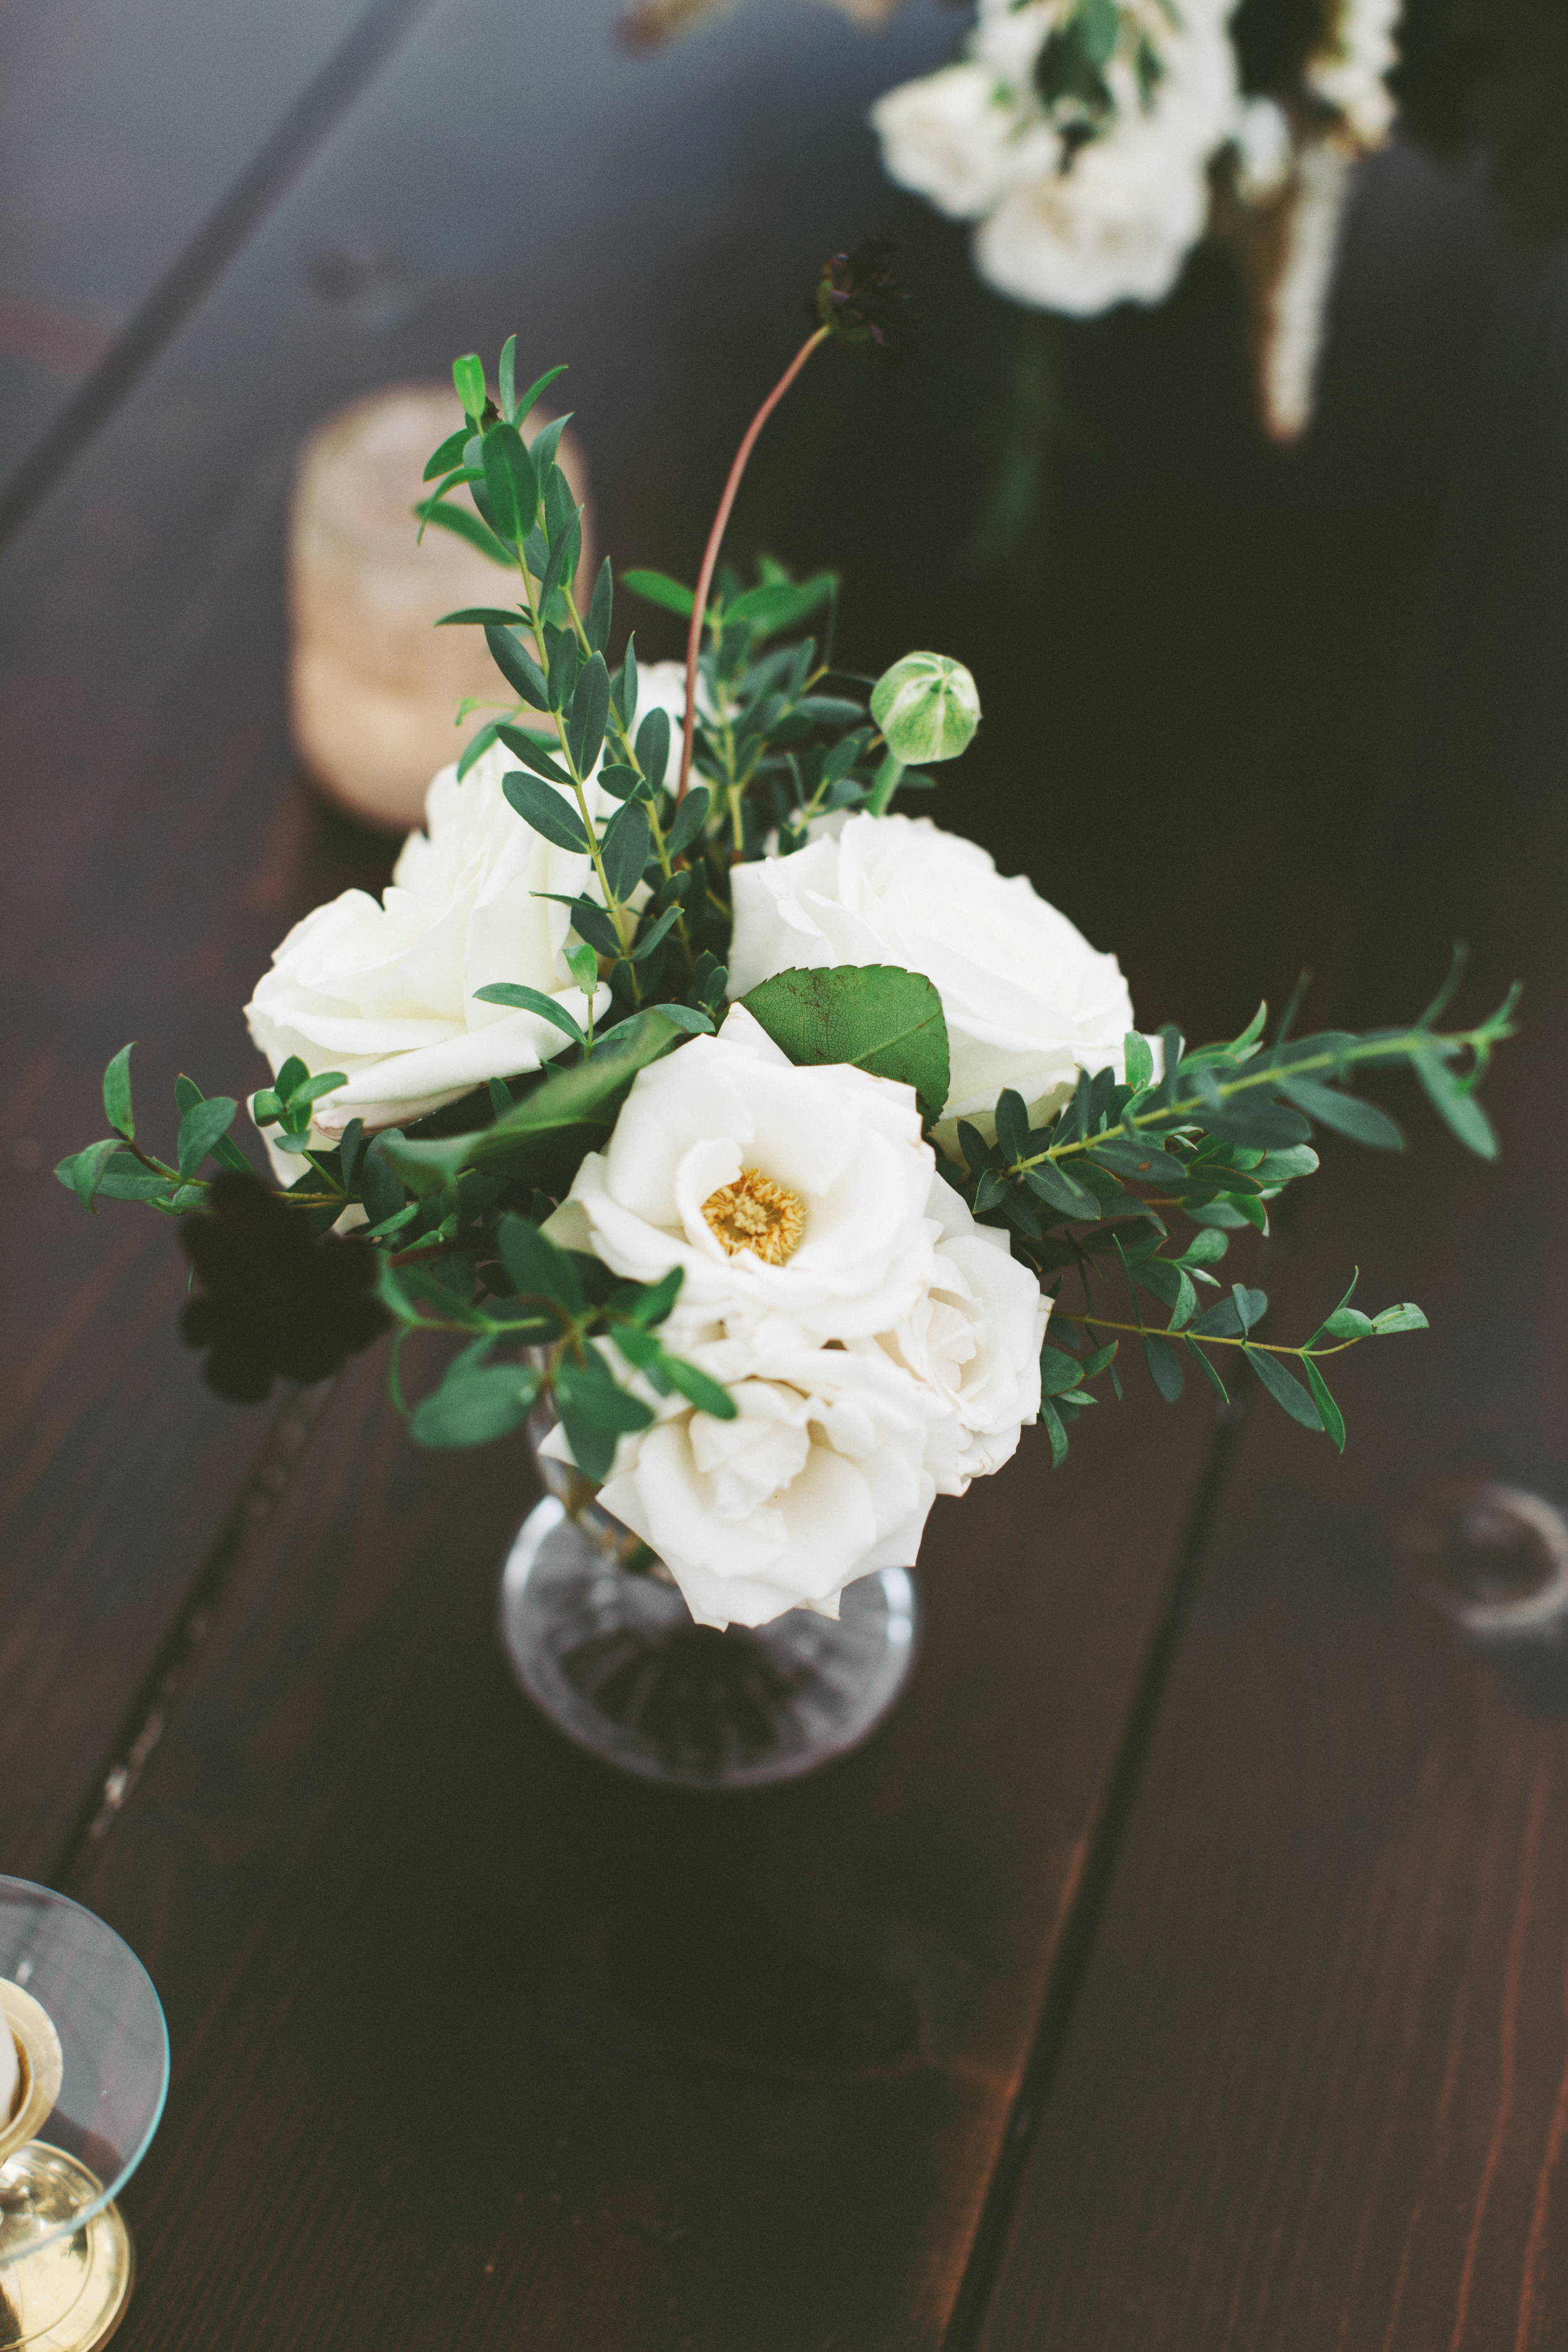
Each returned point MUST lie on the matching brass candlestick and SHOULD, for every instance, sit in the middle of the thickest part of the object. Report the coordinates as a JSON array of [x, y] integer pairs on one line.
[[93, 2069]]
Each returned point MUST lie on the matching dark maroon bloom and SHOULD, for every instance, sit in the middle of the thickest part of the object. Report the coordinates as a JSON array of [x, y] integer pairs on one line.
[[861, 299], [274, 1302]]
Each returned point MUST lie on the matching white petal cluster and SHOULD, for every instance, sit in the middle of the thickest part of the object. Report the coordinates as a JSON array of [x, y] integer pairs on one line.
[[1064, 225], [1029, 1003], [893, 1354], [385, 991], [1349, 72]]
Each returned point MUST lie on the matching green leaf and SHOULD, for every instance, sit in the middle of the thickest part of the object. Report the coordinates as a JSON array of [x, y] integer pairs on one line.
[[624, 850], [875, 1016], [1251, 1305], [506, 380], [651, 938], [653, 747], [200, 1129], [546, 809], [528, 747], [1206, 1248], [779, 604], [117, 1107], [561, 569], [464, 523], [659, 588], [1052, 1420], [1098, 24], [597, 623], [516, 664], [489, 616], [449, 455], [474, 1407], [1457, 1106], [1050, 1181], [1215, 1380], [539, 1269], [510, 483], [1284, 1167], [1059, 1371], [1164, 1367], [595, 1412], [89, 1169], [478, 744], [566, 1114], [1012, 1125], [524, 409], [1346, 1114], [468, 377], [1405, 1317], [1284, 1388], [590, 715], [535, 1000], [690, 819], [123, 1177], [1140, 1060], [1346, 1323], [1332, 1419], [697, 1388]]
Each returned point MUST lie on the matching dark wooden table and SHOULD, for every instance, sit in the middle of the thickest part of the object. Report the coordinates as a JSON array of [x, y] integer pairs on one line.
[[1183, 1966]]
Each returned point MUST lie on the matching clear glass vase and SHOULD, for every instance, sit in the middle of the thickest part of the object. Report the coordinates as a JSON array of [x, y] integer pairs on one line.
[[598, 1635]]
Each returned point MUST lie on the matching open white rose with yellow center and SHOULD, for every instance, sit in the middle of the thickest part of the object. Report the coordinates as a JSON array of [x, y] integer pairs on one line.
[[385, 991], [973, 1338], [793, 1200], [1029, 1003], [826, 1474]]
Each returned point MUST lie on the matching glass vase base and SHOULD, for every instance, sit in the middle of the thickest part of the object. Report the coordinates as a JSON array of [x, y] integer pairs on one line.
[[71, 2295], [614, 1660]]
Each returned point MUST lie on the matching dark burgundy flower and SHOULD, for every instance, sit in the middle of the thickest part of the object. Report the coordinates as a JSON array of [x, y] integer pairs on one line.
[[860, 298], [273, 1302]]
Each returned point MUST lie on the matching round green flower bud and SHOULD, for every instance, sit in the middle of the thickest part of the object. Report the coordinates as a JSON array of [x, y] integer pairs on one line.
[[927, 707]]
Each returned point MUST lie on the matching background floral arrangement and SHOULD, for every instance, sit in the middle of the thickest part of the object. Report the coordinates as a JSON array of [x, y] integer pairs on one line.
[[751, 1127], [1094, 143]]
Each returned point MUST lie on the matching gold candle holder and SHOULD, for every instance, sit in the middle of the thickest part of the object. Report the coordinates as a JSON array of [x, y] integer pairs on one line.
[[374, 685], [91, 2070]]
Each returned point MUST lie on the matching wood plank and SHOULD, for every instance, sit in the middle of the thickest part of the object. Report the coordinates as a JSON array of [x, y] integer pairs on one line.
[[1312, 2093], [123, 124], [571, 2061]]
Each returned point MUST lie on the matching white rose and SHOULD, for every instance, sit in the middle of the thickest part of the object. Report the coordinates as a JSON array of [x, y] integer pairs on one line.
[[1028, 1001], [826, 1474], [974, 1339], [953, 140], [1115, 228], [386, 992], [830, 1175]]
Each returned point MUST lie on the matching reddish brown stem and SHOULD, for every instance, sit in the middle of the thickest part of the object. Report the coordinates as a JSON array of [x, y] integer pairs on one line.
[[715, 539]]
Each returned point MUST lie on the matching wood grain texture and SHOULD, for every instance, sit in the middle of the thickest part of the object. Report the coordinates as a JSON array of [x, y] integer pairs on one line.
[[497, 2042], [123, 124], [1313, 2094], [687, 2074]]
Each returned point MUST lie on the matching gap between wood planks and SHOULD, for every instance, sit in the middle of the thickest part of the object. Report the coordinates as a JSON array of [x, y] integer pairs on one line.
[[1091, 1887], [236, 1542], [352, 67]]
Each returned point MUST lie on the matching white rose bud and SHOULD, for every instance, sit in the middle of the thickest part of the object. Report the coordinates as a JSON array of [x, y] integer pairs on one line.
[[927, 707]]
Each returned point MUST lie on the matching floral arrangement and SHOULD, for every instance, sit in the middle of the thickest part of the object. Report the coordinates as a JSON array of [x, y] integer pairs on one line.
[[759, 1134], [1094, 143]]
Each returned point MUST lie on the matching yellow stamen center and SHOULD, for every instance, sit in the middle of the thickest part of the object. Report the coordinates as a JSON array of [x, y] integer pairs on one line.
[[756, 1214]]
